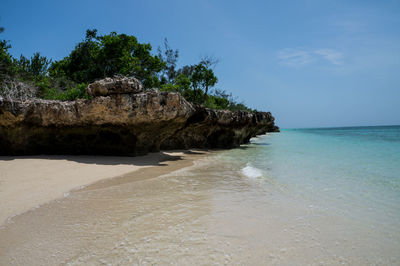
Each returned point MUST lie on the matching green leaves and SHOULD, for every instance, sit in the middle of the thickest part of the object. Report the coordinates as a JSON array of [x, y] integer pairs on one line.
[[203, 78], [38, 65], [6, 62], [108, 55], [49, 90]]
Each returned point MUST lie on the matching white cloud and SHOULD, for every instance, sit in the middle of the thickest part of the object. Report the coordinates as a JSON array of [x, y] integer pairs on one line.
[[301, 57], [294, 57], [331, 55]]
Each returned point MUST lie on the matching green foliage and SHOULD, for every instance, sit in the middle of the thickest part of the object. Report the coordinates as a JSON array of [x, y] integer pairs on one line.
[[191, 82], [235, 106], [203, 78], [6, 62], [169, 87], [113, 54], [170, 57], [13, 71], [78, 92], [194, 95], [184, 86], [32, 69], [38, 65], [215, 102], [100, 56], [230, 103], [48, 91], [182, 82]]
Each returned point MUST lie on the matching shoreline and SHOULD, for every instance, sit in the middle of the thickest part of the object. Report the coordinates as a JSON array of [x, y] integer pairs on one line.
[[28, 182]]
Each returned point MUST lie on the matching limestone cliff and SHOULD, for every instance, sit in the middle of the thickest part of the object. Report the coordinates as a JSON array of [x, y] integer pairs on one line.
[[124, 120]]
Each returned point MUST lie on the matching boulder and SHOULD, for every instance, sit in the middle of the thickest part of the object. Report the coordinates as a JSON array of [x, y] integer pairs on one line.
[[115, 85]]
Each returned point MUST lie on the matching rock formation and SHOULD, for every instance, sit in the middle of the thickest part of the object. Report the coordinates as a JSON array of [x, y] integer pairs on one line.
[[128, 121], [116, 85]]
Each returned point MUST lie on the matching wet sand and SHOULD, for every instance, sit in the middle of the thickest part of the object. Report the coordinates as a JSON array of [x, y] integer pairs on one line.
[[30, 181]]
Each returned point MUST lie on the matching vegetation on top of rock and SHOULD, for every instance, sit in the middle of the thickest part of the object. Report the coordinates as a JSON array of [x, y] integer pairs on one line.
[[100, 56]]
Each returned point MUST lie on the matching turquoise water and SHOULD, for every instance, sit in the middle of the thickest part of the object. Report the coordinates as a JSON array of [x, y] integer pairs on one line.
[[339, 188], [352, 170]]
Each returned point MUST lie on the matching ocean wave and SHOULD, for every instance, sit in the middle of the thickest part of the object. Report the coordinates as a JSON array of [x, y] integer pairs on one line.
[[252, 172]]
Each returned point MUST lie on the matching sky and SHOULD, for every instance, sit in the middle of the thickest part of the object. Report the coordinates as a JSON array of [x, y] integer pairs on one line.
[[311, 63]]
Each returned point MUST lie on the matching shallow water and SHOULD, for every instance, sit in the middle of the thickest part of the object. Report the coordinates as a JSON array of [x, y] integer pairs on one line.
[[300, 197]]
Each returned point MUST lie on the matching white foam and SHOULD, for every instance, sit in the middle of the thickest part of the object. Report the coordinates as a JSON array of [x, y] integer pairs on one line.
[[252, 172]]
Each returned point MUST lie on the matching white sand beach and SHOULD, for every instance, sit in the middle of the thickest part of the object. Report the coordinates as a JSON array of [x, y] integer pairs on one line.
[[27, 182]]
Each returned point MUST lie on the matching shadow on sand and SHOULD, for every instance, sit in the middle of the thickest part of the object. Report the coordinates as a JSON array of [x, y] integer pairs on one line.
[[151, 159]]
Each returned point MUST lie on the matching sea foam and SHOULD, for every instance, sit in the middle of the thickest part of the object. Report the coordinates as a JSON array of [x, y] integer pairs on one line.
[[252, 172]]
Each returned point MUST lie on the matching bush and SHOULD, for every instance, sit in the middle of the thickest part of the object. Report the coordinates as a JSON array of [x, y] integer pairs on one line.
[[70, 94]]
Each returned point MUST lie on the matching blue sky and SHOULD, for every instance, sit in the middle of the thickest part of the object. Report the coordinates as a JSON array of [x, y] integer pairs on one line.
[[312, 63]]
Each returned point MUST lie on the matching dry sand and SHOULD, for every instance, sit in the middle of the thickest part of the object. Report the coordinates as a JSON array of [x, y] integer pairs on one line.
[[30, 181]]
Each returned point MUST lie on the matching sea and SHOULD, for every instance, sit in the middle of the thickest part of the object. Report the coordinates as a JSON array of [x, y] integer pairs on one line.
[[315, 196]]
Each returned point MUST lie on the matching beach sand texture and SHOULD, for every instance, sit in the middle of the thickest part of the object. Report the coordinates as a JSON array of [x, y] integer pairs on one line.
[[30, 181]]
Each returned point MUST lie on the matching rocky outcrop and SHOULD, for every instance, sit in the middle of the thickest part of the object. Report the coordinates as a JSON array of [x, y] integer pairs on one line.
[[219, 129], [116, 85], [122, 124]]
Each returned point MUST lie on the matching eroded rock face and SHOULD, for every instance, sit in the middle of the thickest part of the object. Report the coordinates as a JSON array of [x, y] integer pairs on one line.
[[115, 85], [122, 124]]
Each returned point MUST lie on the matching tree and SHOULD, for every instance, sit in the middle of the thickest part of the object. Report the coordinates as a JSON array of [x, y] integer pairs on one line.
[[203, 78], [38, 65], [82, 63], [5, 57], [6, 61], [170, 57], [108, 55], [34, 68], [209, 61]]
